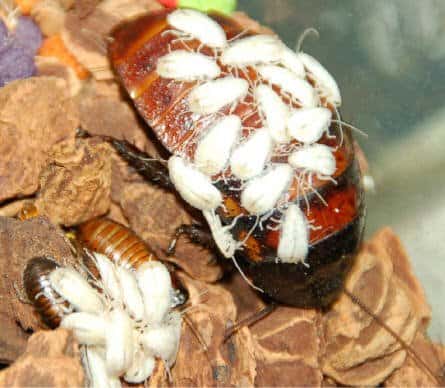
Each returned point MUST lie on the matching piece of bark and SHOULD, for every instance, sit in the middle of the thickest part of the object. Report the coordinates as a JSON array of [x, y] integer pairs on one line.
[[12, 339], [414, 375], [286, 340], [35, 114], [111, 116], [85, 33], [75, 186], [51, 359], [359, 351], [19, 242]]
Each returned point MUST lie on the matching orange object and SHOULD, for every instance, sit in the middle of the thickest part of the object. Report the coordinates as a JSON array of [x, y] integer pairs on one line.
[[54, 47], [26, 6]]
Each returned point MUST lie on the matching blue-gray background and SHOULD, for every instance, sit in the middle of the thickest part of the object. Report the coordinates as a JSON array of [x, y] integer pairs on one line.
[[388, 57]]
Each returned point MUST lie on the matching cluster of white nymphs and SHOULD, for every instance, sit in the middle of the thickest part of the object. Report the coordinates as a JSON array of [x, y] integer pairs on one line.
[[297, 116], [123, 322]]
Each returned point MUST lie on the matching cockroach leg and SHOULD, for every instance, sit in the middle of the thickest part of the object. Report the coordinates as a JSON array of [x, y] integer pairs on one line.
[[250, 320], [196, 233], [151, 169]]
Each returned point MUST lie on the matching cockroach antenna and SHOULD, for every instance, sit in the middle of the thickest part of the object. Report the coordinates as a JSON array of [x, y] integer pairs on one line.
[[409, 350], [308, 31]]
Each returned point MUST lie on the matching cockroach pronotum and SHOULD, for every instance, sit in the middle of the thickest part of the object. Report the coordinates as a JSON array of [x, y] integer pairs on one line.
[[257, 145], [121, 245]]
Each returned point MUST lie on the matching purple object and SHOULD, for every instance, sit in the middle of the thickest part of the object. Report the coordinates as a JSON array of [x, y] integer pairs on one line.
[[15, 63], [27, 34], [4, 35]]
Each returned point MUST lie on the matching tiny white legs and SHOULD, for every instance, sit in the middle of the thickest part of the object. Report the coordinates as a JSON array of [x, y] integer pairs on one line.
[[184, 65], [307, 125], [293, 246], [199, 26], [250, 158], [262, 193], [316, 158], [71, 285], [213, 150], [221, 234], [211, 96], [253, 50], [275, 111], [298, 88], [194, 187], [324, 80]]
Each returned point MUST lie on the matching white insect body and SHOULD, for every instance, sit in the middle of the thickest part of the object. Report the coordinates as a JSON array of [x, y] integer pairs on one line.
[[199, 26], [291, 61], [163, 341], [195, 187], [119, 342], [141, 369], [324, 80], [71, 285], [108, 277], [155, 284], [293, 246], [221, 234], [307, 125], [96, 369], [248, 159], [275, 111], [298, 88], [211, 96], [213, 150], [253, 50], [317, 158], [131, 295], [89, 329], [262, 193], [183, 65]]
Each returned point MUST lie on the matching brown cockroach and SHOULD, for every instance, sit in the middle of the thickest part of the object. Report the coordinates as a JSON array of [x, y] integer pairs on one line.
[[50, 305]]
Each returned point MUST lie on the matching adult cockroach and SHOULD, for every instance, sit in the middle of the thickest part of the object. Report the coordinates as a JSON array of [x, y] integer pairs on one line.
[[257, 144], [121, 245], [254, 146]]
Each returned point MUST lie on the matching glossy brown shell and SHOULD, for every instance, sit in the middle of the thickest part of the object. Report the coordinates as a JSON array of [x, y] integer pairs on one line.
[[115, 241], [40, 292], [134, 52], [121, 245]]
